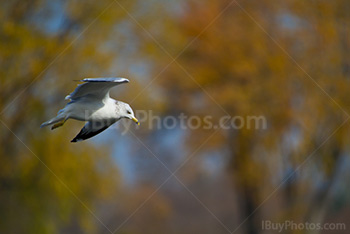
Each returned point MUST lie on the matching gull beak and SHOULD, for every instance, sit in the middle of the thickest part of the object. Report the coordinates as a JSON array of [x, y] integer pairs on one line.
[[136, 121]]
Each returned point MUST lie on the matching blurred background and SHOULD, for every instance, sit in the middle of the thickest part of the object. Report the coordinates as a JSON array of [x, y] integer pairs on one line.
[[285, 60]]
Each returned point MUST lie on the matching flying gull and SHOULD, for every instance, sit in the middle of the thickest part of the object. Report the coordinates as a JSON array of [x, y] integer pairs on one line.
[[91, 102]]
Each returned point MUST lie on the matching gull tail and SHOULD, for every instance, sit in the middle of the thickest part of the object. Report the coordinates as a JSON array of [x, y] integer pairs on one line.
[[60, 119]]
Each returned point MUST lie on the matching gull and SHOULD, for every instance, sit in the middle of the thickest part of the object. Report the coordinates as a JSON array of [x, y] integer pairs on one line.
[[91, 102]]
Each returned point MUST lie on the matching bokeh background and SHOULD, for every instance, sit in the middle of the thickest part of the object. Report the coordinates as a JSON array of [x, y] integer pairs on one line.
[[285, 60]]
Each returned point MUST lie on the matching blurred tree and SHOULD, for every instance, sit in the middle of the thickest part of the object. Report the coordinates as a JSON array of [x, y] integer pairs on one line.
[[286, 61]]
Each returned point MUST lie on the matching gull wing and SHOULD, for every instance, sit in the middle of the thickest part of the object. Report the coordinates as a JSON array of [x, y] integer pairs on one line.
[[97, 88], [91, 129]]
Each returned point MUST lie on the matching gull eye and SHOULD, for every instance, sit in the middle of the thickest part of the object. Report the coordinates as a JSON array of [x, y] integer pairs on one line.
[[129, 113]]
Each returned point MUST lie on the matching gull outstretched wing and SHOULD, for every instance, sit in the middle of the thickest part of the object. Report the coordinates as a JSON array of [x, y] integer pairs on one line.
[[97, 88], [91, 129]]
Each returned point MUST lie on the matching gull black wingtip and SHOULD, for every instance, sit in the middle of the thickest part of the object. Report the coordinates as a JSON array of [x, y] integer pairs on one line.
[[74, 140], [77, 139]]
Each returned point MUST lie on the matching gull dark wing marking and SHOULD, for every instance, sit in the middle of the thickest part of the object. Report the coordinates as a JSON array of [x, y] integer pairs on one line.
[[91, 129]]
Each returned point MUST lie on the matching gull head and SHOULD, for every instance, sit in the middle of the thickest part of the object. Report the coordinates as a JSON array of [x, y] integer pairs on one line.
[[127, 112]]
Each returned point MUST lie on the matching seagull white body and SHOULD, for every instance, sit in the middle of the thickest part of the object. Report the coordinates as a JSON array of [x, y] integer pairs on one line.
[[90, 110], [91, 102]]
